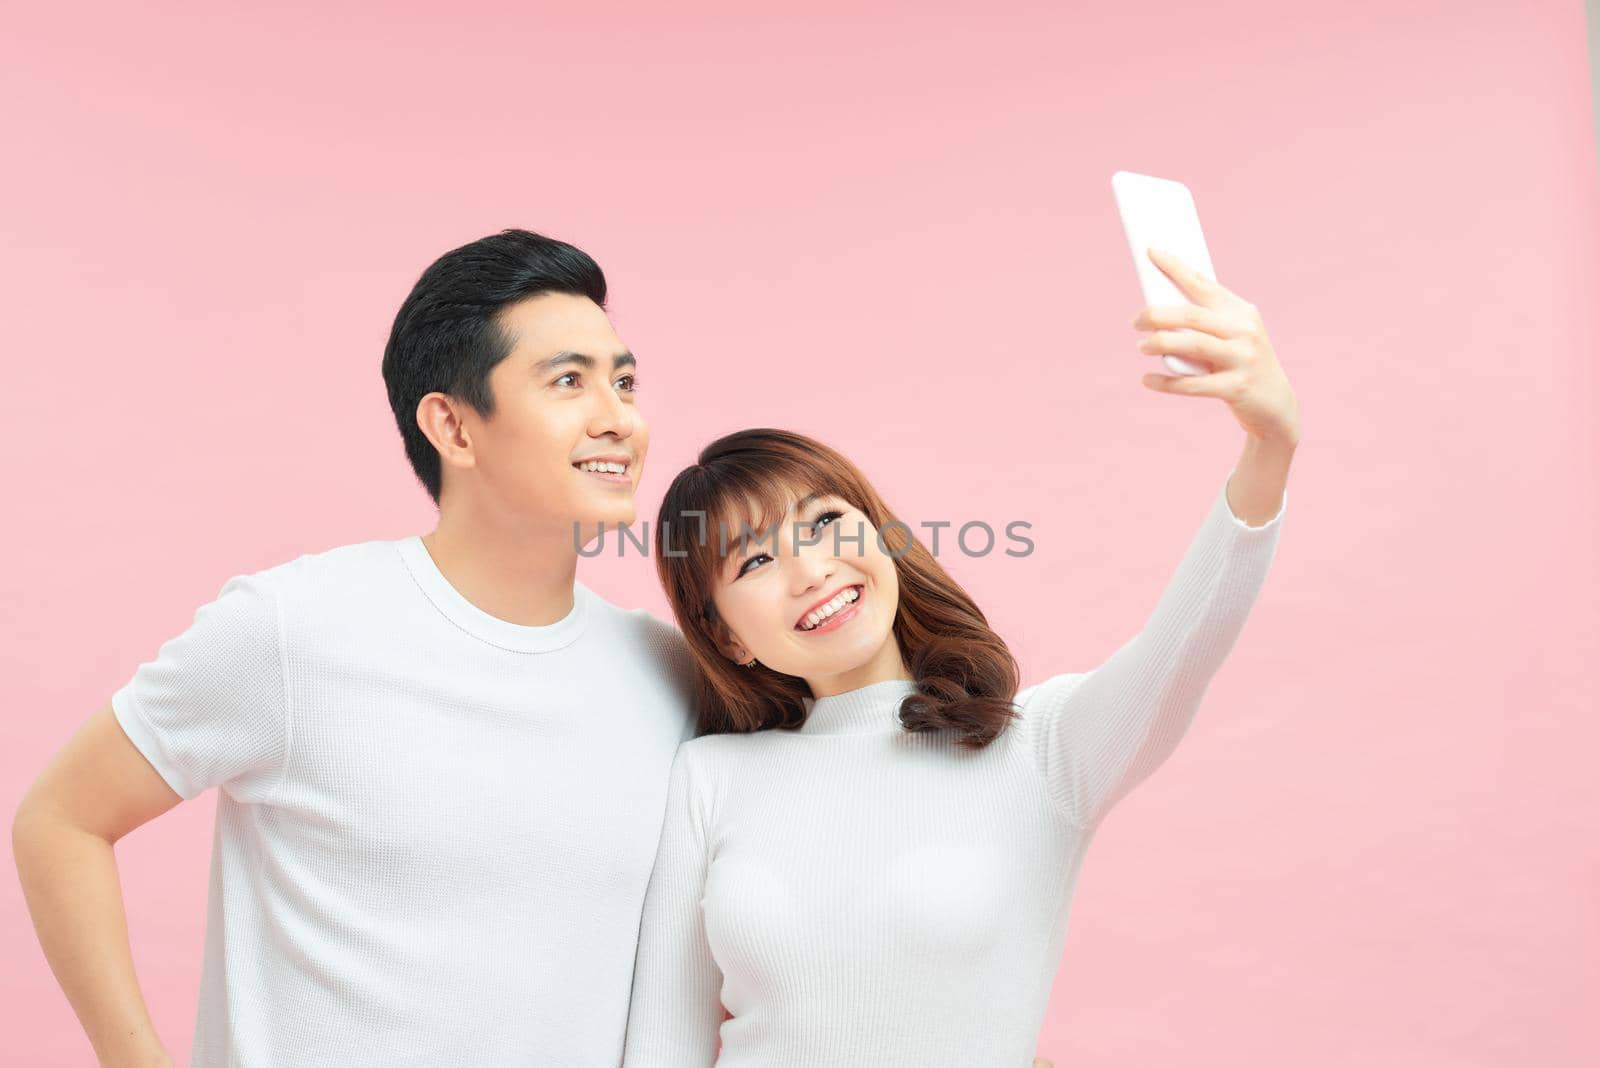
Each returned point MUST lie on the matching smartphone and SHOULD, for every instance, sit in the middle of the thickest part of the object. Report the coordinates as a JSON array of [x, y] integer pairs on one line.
[[1160, 212]]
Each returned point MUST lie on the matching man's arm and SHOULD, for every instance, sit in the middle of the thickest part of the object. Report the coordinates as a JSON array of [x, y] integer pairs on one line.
[[97, 788]]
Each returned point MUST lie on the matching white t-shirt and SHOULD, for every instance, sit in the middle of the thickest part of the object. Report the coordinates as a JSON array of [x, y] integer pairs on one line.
[[435, 827], [860, 896]]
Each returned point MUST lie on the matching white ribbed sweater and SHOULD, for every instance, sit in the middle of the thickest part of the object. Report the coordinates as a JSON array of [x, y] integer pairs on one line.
[[856, 894]]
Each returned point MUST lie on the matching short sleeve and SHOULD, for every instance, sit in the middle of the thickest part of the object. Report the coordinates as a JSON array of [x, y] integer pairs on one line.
[[210, 709]]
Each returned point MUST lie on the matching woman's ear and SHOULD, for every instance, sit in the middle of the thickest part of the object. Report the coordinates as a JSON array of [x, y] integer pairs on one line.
[[728, 645]]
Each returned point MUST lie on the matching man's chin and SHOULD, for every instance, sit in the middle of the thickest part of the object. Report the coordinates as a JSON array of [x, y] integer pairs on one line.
[[615, 517], [590, 526]]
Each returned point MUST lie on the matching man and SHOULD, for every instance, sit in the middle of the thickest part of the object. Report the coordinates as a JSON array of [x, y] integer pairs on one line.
[[442, 760]]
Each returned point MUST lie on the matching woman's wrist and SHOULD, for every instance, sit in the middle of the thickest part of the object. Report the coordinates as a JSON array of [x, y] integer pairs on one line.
[[1255, 491]]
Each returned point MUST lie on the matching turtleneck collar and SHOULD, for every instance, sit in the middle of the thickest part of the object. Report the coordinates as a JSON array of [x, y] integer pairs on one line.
[[864, 710]]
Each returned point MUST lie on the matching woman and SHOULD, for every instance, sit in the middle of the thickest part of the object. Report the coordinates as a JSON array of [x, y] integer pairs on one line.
[[870, 850]]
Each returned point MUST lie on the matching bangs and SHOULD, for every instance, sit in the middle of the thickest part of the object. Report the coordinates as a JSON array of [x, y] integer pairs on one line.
[[734, 497]]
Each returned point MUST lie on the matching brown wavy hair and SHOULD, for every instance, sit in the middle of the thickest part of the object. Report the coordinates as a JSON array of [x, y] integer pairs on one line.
[[966, 677]]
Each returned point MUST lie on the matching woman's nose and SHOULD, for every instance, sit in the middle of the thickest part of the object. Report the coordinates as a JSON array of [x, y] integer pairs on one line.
[[812, 566]]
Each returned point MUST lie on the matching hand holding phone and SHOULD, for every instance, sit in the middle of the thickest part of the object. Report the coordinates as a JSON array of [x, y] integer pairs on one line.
[[1160, 212]]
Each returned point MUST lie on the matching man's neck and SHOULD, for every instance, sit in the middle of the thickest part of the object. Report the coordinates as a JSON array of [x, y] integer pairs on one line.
[[521, 574]]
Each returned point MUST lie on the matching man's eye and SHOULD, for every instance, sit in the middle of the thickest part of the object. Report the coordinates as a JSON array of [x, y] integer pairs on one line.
[[632, 383], [570, 374], [744, 567]]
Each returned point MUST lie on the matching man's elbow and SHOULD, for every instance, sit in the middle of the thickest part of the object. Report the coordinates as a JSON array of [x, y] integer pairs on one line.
[[43, 822], [31, 826], [99, 784]]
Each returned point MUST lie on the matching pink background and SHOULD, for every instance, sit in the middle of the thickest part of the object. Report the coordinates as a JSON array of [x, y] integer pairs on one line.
[[894, 229]]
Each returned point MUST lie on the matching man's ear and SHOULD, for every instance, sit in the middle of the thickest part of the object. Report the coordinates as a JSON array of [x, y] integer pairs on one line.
[[439, 419]]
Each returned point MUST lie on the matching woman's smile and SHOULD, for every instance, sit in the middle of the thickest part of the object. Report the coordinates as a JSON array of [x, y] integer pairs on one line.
[[845, 606]]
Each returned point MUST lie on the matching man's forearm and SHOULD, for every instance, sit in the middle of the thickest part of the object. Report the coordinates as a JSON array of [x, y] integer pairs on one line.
[[69, 877]]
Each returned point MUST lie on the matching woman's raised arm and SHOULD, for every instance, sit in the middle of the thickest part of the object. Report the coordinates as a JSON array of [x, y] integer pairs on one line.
[[1098, 734]]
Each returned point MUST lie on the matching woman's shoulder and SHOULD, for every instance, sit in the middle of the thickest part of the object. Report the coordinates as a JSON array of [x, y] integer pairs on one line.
[[1036, 703], [712, 750], [1046, 690], [718, 769], [731, 759]]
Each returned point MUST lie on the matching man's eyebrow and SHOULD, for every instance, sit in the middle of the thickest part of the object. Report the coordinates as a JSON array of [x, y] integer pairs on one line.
[[566, 357]]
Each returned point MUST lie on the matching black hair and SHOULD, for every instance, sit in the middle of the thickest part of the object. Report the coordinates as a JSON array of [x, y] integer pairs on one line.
[[447, 336]]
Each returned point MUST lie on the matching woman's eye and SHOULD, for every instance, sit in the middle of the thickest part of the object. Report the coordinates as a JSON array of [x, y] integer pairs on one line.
[[744, 567], [821, 520]]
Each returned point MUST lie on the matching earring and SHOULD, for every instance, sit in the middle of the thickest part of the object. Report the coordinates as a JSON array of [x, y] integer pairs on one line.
[[749, 663]]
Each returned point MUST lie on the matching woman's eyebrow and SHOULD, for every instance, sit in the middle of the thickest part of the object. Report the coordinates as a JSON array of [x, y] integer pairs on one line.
[[742, 546]]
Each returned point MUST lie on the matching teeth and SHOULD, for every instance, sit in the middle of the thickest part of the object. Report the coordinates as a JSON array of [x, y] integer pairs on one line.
[[603, 465], [814, 618]]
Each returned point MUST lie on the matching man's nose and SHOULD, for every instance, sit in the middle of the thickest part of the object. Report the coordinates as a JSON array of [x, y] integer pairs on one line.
[[611, 416]]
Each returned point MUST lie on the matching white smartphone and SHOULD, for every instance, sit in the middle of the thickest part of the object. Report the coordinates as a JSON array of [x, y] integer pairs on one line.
[[1160, 212]]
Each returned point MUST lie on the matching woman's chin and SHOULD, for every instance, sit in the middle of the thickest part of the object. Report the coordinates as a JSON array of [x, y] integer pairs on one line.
[[850, 654]]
